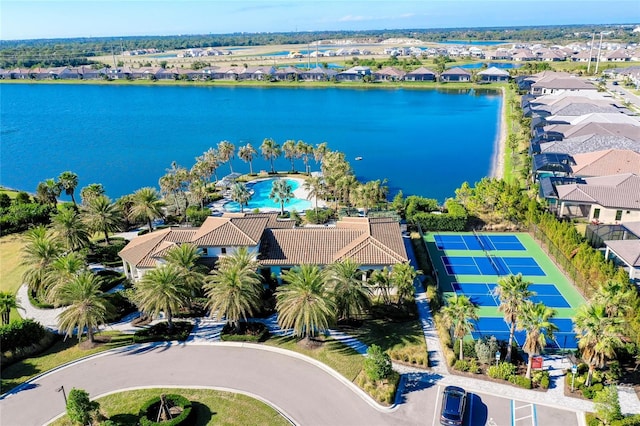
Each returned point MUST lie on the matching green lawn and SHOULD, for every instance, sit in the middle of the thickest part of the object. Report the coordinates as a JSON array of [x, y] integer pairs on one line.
[[334, 354], [210, 407], [10, 257], [60, 353]]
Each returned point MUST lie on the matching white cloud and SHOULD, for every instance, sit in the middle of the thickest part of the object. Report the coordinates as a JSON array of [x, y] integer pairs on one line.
[[352, 18]]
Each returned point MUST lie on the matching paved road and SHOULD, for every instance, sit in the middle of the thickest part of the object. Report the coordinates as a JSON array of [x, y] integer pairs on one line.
[[307, 394]]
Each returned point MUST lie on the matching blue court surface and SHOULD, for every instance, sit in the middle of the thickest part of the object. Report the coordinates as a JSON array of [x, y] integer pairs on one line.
[[491, 265], [478, 242], [564, 338], [483, 294]]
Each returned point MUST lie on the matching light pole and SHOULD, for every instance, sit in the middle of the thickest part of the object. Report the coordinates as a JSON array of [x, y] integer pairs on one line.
[[497, 357], [64, 394], [574, 370]]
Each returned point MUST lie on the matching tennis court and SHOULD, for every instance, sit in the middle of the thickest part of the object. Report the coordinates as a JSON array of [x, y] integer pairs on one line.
[[491, 265], [484, 294], [565, 337], [478, 242], [471, 263]]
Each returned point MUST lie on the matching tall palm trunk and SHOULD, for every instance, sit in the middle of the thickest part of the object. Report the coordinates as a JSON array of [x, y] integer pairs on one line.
[[90, 334], [512, 331], [150, 225], [590, 375], [169, 320], [106, 236], [250, 167], [461, 354], [529, 363]]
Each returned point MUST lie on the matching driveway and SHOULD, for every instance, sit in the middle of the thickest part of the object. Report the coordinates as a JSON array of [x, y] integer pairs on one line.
[[305, 393]]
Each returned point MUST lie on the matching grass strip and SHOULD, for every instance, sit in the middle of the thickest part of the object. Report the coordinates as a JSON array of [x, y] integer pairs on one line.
[[209, 407]]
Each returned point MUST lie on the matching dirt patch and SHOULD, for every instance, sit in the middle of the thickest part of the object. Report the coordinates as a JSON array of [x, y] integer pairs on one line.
[[97, 341], [141, 321], [311, 343]]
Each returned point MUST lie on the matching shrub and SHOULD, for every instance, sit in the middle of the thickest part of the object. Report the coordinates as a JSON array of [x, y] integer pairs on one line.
[[541, 378], [608, 404], [121, 306], [383, 391], [160, 332], [377, 364], [486, 349], [590, 391], [414, 355], [102, 252], [80, 408], [21, 333], [434, 297], [249, 332], [196, 216], [322, 216], [149, 411], [503, 370], [461, 365], [592, 420], [633, 420], [468, 349], [521, 381]]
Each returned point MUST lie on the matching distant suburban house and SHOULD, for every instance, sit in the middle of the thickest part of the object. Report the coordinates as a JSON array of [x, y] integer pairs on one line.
[[493, 74], [554, 84], [607, 162], [618, 55], [354, 73], [20, 74], [499, 55], [286, 74], [556, 132], [455, 74], [149, 73], [224, 73], [317, 74], [586, 143], [257, 73], [372, 242], [603, 199], [389, 74], [420, 74]]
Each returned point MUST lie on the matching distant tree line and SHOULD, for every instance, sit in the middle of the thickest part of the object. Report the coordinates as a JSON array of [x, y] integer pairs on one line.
[[79, 51]]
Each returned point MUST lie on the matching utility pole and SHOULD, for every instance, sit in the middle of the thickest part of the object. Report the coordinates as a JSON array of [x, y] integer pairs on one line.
[[599, 50], [593, 39]]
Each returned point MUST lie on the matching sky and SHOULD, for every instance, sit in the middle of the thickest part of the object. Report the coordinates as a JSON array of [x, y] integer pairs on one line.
[[26, 19]]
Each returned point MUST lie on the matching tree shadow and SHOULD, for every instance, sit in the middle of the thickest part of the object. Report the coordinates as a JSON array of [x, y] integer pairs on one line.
[[201, 414], [414, 382], [125, 419], [480, 413]]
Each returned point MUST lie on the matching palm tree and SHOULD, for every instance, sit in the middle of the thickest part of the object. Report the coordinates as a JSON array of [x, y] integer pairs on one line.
[[352, 297], [185, 257], [403, 276], [147, 205], [8, 301], [234, 288], [211, 159], [101, 215], [62, 270], [226, 152], [304, 150], [69, 227], [290, 152], [240, 194], [38, 252], [88, 307], [618, 298], [69, 182], [535, 318], [162, 290], [319, 152], [246, 154], [305, 304], [270, 151], [598, 335], [314, 187], [513, 291], [345, 186], [281, 192], [48, 192], [90, 192], [381, 280], [459, 314]]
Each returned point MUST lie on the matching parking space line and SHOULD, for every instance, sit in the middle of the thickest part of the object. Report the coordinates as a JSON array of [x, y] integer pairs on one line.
[[437, 408]]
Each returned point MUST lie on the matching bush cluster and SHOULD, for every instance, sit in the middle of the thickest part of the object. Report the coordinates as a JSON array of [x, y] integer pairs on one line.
[[249, 332], [467, 365], [503, 371], [106, 253], [18, 217], [589, 392], [322, 216], [160, 332], [377, 365], [383, 391], [521, 381], [21, 333], [149, 411]]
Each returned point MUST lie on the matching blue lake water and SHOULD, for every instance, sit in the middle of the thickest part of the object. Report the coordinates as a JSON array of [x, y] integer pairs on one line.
[[425, 142]]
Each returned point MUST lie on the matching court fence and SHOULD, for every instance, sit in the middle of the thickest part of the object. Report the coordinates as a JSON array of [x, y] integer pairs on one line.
[[585, 286]]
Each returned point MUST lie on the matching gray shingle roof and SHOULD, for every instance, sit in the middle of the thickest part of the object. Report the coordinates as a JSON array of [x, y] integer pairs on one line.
[[616, 191], [589, 143]]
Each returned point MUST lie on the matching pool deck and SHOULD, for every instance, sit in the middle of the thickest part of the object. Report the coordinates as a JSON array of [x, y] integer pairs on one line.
[[299, 193]]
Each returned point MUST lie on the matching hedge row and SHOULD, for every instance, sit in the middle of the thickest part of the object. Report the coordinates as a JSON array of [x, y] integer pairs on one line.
[[249, 332], [160, 332], [149, 411]]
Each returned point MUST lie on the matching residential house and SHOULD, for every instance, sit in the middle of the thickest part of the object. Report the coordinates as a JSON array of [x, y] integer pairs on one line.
[[354, 74], [455, 74], [287, 74], [318, 74], [622, 242], [552, 164], [5, 74], [602, 199], [372, 242], [149, 73], [224, 73], [389, 74], [420, 74], [586, 143], [493, 74], [88, 73], [605, 163], [553, 84], [618, 55], [257, 73]]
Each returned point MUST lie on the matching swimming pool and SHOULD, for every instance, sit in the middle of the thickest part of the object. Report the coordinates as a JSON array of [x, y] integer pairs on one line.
[[260, 198]]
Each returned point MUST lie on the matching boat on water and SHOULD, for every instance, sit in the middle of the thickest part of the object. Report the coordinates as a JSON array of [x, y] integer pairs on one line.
[[358, 158]]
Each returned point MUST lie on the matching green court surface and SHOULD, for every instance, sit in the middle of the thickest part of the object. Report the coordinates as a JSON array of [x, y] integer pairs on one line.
[[471, 264]]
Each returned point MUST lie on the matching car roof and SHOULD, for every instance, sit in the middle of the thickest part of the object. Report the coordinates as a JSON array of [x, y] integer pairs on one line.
[[454, 389]]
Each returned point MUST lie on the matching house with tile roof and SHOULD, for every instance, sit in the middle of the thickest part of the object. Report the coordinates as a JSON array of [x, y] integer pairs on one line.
[[553, 84], [602, 199], [420, 74], [455, 74], [493, 74], [372, 242], [389, 74], [607, 162]]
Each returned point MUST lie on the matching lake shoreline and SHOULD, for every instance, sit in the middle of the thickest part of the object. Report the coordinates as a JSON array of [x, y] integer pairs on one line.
[[499, 150]]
